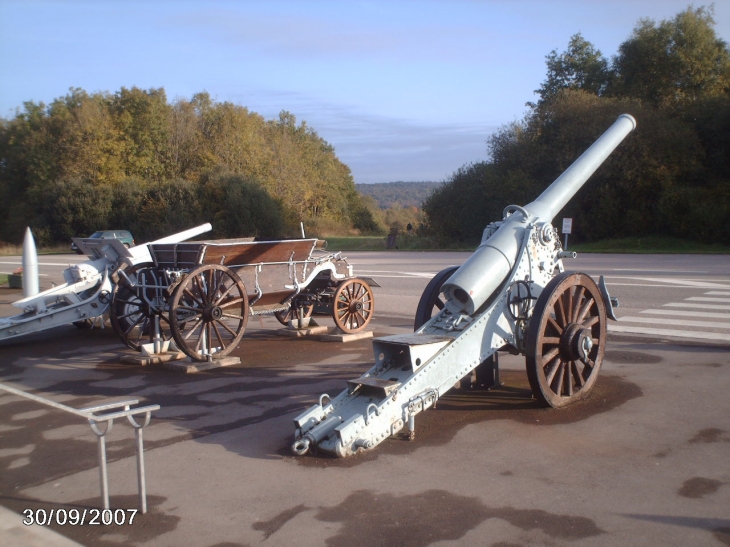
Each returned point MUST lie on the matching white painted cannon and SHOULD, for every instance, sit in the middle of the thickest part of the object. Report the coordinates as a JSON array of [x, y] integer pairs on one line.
[[511, 293], [86, 292]]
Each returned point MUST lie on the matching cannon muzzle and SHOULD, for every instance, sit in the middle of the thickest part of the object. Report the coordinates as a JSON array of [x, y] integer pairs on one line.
[[485, 271]]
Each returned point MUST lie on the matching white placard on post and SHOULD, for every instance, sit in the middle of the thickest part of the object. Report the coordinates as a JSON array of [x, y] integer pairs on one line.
[[567, 225]]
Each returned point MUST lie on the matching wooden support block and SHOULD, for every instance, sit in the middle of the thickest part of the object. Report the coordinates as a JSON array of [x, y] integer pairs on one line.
[[299, 333], [144, 360], [343, 337], [186, 366]]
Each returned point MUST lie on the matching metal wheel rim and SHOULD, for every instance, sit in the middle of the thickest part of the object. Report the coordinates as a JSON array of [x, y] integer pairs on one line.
[[566, 340], [129, 315], [353, 305], [430, 298], [209, 312]]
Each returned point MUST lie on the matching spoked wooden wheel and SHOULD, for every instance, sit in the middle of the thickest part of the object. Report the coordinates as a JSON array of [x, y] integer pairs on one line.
[[138, 312], [209, 312], [566, 339], [353, 305], [430, 302], [297, 310]]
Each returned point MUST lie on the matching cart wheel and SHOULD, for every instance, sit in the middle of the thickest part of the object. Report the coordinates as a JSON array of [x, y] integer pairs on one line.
[[566, 340], [209, 312], [430, 302], [353, 305], [296, 311], [137, 311]]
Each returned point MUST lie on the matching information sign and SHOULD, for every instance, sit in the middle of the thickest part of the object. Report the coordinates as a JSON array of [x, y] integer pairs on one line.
[[567, 225]]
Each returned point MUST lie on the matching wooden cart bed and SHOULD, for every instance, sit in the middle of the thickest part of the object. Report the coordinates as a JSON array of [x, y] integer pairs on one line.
[[233, 254]]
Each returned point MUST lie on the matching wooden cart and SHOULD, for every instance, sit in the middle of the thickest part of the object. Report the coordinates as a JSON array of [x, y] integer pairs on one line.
[[201, 294]]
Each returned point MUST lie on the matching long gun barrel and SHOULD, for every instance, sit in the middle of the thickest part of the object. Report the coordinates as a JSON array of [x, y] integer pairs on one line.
[[485, 271], [183, 236]]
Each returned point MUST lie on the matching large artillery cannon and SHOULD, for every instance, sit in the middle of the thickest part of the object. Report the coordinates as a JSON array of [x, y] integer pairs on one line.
[[88, 287], [511, 293]]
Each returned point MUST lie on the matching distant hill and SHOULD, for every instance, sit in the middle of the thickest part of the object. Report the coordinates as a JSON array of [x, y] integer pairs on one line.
[[405, 194]]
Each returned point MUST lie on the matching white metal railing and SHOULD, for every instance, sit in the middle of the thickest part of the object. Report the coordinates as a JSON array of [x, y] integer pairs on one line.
[[91, 414]]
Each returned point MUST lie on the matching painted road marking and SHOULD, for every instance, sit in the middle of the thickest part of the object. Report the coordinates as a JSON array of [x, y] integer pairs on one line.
[[684, 282], [379, 276], [703, 306], [612, 284], [669, 321], [671, 333], [395, 274], [20, 263], [677, 318], [706, 315], [661, 271]]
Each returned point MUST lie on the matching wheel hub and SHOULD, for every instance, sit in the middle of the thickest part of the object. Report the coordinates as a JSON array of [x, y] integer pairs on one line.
[[576, 343], [355, 306], [212, 313]]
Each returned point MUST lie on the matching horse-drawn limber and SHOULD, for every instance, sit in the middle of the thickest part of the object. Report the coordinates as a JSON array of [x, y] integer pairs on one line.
[[201, 294]]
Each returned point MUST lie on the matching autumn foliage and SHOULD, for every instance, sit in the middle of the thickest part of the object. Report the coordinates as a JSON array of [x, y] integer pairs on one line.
[[133, 160]]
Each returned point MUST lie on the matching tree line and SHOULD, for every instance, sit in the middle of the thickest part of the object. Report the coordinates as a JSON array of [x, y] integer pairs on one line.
[[133, 160], [669, 177]]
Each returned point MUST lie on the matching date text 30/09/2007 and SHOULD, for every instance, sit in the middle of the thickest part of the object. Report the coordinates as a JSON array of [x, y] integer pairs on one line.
[[79, 517]]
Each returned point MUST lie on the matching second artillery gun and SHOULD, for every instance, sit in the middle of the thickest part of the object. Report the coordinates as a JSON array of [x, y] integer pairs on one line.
[[512, 292], [87, 290]]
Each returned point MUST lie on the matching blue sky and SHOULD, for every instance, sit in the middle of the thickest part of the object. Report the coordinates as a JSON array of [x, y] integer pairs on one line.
[[404, 90]]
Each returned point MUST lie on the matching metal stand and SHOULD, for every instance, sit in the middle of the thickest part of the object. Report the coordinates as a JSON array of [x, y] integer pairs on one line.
[[487, 373]]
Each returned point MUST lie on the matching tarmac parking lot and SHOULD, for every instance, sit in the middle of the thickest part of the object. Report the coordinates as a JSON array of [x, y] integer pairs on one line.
[[644, 461]]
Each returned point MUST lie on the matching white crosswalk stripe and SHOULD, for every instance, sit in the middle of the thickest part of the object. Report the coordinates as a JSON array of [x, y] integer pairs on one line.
[[707, 299], [680, 322], [671, 333], [713, 319], [703, 306], [678, 313]]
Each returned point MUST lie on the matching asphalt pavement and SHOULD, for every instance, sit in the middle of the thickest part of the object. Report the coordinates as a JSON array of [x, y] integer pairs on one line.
[[644, 461]]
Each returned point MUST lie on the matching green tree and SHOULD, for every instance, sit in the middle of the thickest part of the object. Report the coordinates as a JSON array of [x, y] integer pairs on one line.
[[234, 138], [187, 155], [169, 207], [238, 207], [25, 157], [674, 62], [367, 217], [128, 198], [460, 209], [86, 144], [142, 117], [306, 175], [581, 66], [68, 208]]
